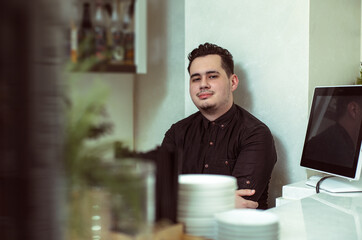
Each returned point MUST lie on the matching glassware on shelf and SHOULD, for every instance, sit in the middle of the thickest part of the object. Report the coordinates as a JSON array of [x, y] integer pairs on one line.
[[73, 35], [102, 37], [128, 29], [85, 34], [100, 31], [117, 43]]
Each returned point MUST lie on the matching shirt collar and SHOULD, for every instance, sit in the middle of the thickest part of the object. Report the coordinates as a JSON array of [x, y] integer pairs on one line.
[[223, 120]]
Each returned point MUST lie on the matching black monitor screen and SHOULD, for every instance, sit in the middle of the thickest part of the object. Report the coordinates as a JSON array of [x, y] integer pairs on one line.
[[333, 138]]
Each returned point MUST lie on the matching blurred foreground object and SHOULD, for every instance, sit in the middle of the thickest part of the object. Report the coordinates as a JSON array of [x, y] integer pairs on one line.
[[31, 49], [87, 206], [104, 196], [167, 172], [119, 200], [167, 166]]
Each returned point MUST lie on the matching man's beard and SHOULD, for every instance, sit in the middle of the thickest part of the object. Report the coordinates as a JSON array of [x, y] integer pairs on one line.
[[209, 108]]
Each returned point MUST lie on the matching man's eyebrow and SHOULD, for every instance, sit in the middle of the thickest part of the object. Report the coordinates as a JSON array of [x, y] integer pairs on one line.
[[211, 72], [208, 72], [195, 74]]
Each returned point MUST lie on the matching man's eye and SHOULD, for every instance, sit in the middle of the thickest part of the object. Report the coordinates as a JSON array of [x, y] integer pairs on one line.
[[195, 79], [213, 76]]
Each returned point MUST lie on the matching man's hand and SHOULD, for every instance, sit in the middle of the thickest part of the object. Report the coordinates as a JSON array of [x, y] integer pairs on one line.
[[240, 202]]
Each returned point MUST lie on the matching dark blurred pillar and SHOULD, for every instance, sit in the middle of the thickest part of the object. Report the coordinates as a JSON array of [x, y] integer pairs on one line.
[[31, 49]]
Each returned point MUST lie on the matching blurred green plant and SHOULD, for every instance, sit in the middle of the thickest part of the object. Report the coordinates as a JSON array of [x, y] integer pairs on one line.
[[122, 151], [86, 123]]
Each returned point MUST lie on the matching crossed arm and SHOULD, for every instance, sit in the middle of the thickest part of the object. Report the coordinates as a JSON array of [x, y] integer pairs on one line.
[[240, 202]]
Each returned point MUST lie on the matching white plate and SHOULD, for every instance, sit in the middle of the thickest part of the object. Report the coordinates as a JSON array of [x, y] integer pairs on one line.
[[201, 232], [220, 237], [248, 234], [256, 232], [247, 229], [197, 221], [210, 228], [204, 205], [203, 212], [247, 218], [203, 182], [210, 193]]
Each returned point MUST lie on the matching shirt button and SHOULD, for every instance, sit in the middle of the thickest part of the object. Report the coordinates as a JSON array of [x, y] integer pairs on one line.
[[247, 182], [211, 143], [226, 162], [222, 125], [206, 165], [213, 123]]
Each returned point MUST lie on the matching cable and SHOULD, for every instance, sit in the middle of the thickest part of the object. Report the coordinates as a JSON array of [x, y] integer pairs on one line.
[[320, 181]]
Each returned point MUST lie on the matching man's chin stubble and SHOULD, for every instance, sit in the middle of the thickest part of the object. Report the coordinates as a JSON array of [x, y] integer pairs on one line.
[[207, 108]]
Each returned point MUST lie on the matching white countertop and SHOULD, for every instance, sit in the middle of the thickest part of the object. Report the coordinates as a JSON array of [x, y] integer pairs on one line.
[[321, 216]]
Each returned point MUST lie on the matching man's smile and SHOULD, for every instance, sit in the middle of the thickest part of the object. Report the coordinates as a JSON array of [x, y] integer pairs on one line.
[[204, 95]]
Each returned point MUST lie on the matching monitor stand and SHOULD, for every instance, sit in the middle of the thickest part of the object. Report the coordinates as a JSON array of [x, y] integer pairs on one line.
[[336, 184]]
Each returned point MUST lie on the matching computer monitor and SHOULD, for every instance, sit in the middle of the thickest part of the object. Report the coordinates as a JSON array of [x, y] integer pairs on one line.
[[333, 138]]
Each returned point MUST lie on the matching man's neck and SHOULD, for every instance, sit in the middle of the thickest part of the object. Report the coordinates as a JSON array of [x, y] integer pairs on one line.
[[212, 115], [350, 127]]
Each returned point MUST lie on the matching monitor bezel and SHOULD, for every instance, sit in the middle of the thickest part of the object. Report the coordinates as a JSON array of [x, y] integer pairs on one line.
[[352, 173]]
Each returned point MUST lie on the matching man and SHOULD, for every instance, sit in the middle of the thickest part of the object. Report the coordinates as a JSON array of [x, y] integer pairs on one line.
[[223, 138]]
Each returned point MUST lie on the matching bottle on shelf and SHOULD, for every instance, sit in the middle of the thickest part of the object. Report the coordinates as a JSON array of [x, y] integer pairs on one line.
[[108, 9], [100, 31], [117, 37], [72, 45], [73, 42], [85, 34], [128, 29]]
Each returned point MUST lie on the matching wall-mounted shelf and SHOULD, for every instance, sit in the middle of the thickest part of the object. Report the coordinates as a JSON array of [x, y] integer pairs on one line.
[[109, 67], [139, 61]]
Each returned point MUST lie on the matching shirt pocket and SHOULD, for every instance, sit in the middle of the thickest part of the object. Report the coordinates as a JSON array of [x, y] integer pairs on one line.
[[225, 166]]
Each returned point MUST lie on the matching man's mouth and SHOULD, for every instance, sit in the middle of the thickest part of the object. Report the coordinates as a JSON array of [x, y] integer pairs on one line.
[[204, 95]]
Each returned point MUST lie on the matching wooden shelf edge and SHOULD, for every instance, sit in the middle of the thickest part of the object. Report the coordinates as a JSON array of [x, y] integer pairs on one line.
[[110, 68]]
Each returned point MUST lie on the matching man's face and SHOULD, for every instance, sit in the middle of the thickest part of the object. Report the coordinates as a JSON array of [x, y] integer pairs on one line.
[[210, 87]]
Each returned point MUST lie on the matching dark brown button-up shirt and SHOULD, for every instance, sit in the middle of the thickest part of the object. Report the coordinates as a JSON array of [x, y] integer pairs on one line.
[[235, 144]]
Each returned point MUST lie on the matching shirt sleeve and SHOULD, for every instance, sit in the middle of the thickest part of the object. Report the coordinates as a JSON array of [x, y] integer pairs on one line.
[[255, 161], [169, 142]]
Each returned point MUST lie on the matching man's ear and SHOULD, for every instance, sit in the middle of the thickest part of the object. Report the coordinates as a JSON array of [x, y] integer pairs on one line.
[[352, 109], [234, 82]]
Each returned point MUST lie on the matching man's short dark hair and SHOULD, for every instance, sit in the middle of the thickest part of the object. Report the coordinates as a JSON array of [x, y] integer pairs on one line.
[[227, 62]]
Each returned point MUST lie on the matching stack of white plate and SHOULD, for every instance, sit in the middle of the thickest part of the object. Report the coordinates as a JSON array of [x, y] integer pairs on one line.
[[248, 224], [200, 197]]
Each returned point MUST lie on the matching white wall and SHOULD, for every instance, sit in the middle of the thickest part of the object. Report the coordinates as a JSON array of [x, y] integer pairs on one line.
[[270, 44], [270, 41], [334, 42], [159, 94]]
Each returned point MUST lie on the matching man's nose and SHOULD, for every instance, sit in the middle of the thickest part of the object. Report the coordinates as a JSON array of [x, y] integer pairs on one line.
[[204, 83]]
